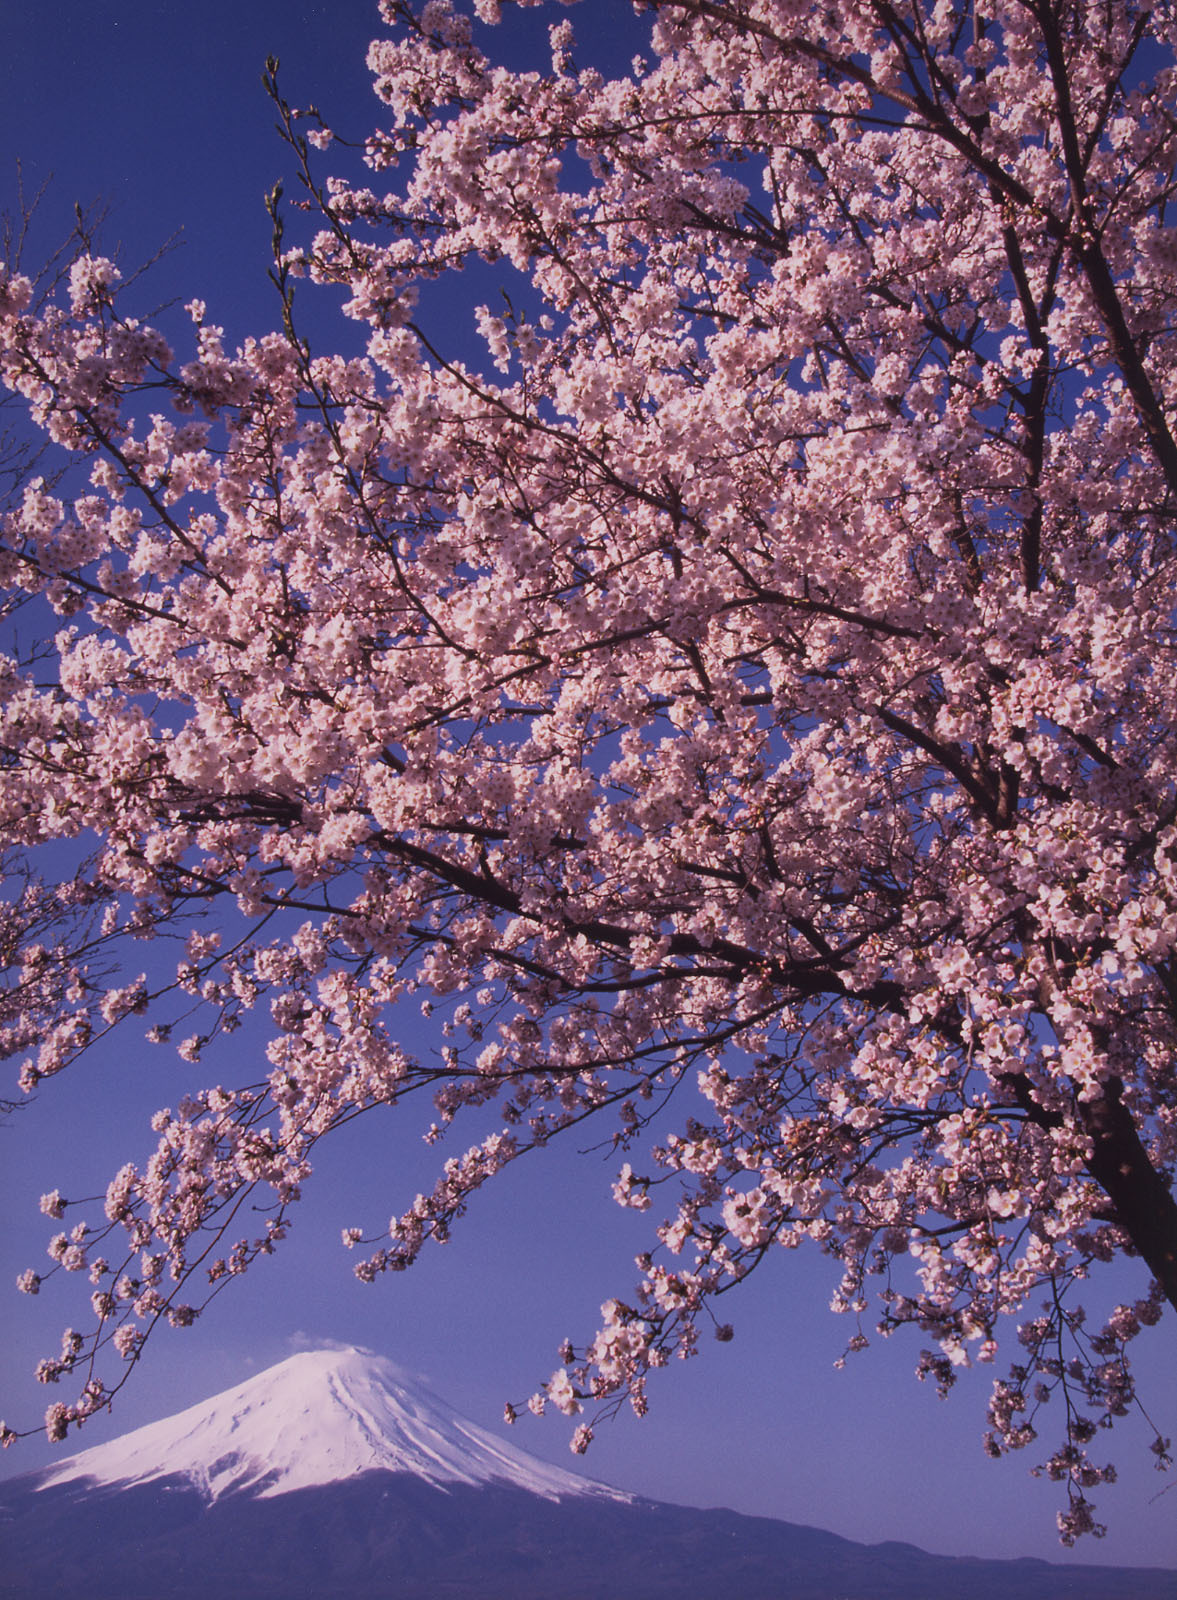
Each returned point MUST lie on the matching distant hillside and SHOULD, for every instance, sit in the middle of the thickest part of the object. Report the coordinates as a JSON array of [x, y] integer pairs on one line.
[[333, 1477]]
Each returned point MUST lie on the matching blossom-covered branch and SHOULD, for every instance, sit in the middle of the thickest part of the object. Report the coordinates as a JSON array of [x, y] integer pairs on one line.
[[737, 704]]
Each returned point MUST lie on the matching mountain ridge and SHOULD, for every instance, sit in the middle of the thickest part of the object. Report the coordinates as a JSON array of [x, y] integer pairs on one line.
[[334, 1476], [320, 1416]]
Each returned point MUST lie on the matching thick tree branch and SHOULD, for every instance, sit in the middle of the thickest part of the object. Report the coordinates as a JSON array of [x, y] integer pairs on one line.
[[1143, 1201]]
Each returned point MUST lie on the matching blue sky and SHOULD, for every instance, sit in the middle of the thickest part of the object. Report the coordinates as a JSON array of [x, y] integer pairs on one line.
[[156, 108]]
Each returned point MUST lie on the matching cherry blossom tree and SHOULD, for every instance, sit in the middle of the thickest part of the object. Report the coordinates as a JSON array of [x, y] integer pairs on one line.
[[737, 704]]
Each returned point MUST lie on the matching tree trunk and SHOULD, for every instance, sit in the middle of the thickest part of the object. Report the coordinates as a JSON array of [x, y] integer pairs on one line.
[[1143, 1202]]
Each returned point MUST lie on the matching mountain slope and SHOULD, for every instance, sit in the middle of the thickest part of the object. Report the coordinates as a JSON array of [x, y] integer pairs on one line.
[[334, 1477], [320, 1417]]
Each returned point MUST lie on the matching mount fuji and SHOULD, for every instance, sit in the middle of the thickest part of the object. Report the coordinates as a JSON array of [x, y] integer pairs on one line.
[[335, 1476], [320, 1417]]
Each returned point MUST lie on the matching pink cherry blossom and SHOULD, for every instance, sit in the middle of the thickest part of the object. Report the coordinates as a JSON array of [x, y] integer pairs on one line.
[[728, 690]]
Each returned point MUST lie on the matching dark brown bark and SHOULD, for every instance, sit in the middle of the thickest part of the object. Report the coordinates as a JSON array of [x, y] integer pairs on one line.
[[1143, 1202]]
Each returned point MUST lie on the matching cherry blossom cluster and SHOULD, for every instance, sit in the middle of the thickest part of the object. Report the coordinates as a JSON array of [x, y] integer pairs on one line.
[[729, 690]]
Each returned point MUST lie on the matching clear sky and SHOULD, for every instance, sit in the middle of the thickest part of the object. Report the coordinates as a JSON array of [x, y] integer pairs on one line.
[[155, 107]]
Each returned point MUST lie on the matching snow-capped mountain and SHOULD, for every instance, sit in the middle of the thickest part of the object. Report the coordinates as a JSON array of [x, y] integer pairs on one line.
[[334, 1476], [320, 1417]]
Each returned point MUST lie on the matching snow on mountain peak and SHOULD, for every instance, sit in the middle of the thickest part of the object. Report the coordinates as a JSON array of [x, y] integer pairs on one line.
[[316, 1418]]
